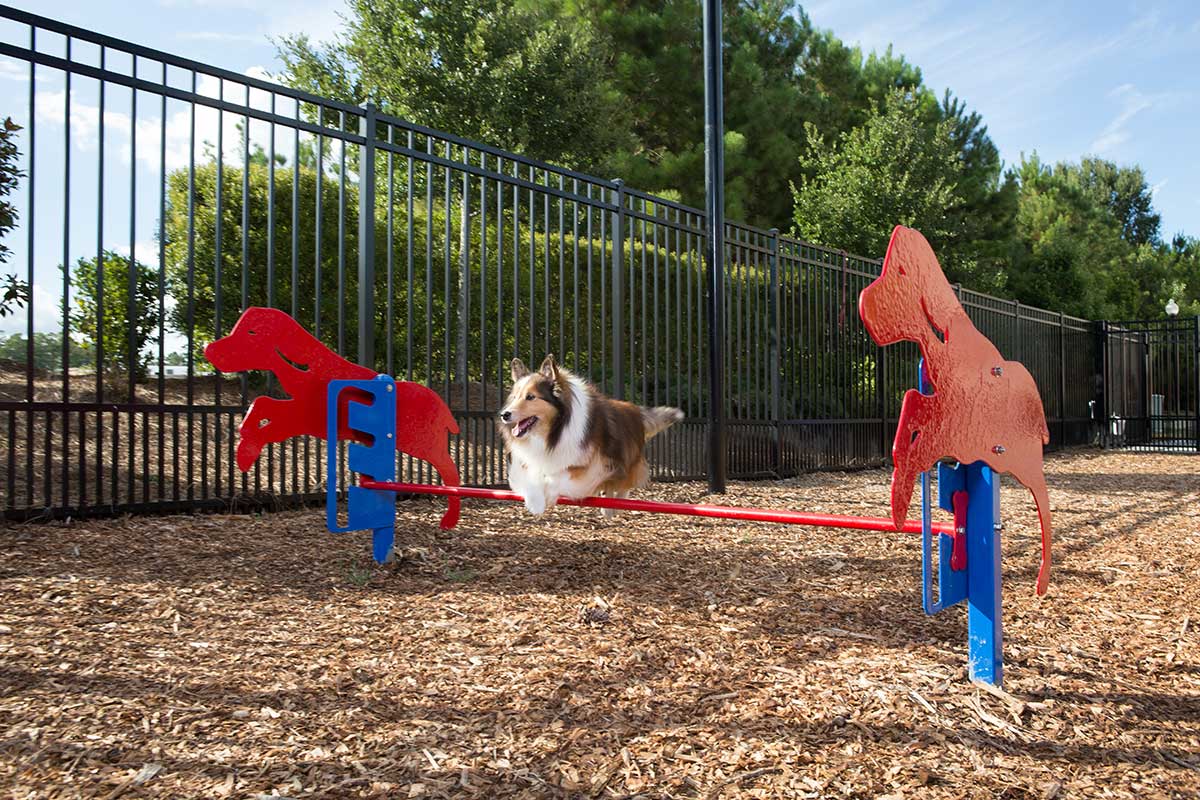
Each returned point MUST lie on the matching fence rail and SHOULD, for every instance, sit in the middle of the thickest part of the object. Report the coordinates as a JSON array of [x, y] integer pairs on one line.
[[162, 196]]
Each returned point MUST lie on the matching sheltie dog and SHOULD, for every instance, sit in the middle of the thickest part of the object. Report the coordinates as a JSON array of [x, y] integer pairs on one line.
[[566, 439]]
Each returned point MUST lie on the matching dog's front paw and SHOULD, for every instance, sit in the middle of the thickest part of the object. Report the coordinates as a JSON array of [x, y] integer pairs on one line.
[[536, 505], [608, 513]]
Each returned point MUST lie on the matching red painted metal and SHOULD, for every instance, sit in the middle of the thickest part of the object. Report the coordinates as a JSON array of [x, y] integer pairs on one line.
[[268, 339], [686, 509], [958, 555], [983, 408]]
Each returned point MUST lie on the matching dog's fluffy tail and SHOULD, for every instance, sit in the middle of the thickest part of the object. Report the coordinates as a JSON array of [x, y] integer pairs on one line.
[[659, 418]]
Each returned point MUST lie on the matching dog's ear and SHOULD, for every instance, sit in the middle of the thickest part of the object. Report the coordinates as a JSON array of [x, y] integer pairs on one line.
[[519, 370], [549, 368]]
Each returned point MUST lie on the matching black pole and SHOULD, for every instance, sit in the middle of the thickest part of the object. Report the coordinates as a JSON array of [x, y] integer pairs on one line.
[[714, 192]]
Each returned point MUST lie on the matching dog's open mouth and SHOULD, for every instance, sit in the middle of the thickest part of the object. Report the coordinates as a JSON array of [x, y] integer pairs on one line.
[[524, 426]]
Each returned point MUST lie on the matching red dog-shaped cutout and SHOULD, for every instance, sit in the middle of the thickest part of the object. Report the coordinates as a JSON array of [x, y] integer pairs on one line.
[[268, 339], [982, 409]]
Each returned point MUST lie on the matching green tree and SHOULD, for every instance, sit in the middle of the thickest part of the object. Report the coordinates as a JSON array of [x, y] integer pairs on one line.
[[1122, 191], [515, 75], [656, 65], [248, 262], [103, 317], [47, 351], [1183, 274], [894, 169], [1088, 242], [14, 292]]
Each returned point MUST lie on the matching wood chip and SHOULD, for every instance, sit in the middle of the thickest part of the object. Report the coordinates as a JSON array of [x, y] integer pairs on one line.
[[466, 668]]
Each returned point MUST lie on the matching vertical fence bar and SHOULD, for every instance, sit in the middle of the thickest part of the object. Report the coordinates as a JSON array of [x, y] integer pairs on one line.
[[366, 240], [618, 317], [1062, 380], [1196, 370], [773, 355], [66, 264]]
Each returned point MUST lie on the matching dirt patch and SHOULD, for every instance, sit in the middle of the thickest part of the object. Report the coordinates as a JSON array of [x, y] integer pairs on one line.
[[654, 656]]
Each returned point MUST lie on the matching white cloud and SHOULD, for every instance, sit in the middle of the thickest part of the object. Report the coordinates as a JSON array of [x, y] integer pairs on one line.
[[1158, 186], [13, 70], [221, 36], [85, 124], [1116, 133], [47, 313], [260, 72]]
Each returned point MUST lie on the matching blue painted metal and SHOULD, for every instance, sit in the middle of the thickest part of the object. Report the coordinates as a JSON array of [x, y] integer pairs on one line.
[[951, 584], [985, 630], [980, 583], [376, 459]]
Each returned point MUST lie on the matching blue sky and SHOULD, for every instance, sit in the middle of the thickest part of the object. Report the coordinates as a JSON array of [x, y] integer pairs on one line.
[[1116, 79], [1066, 79]]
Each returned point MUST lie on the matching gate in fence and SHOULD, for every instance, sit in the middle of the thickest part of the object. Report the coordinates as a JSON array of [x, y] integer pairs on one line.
[[1151, 372]]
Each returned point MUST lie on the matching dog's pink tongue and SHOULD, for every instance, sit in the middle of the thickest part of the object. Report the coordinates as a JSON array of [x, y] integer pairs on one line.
[[524, 425]]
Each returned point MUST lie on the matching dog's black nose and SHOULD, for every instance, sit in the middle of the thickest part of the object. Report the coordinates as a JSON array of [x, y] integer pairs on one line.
[[506, 415]]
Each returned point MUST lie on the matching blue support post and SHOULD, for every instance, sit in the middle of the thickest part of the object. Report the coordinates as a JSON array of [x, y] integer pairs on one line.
[[985, 631], [980, 583], [376, 459]]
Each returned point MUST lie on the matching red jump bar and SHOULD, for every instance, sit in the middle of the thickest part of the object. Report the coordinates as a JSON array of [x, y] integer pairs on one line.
[[687, 509]]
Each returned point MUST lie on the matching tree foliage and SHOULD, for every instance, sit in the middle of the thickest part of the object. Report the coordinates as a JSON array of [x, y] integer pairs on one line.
[[14, 292], [47, 351], [615, 87], [1088, 243], [515, 75], [893, 169], [116, 319]]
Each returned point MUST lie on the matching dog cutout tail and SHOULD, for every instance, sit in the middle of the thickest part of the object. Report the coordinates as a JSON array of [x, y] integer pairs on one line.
[[658, 419]]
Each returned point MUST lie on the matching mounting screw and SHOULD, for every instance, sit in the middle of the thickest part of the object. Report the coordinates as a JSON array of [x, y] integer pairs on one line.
[[998, 449], [389, 436], [997, 371], [390, 387]]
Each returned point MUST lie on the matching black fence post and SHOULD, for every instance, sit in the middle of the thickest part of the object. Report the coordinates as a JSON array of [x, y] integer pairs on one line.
[[714, 206], [773, 355], [1101, 395], [881, 393], [618, 272], [1062, 380], [1196, 367], [1019, 354], [366, 240]]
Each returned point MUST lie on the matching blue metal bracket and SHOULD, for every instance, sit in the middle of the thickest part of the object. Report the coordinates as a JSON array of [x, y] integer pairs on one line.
[[980, 583], [951, 583], [376, 459]]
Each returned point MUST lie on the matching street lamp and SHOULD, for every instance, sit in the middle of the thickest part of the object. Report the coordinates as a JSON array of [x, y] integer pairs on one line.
[[1172, 308]]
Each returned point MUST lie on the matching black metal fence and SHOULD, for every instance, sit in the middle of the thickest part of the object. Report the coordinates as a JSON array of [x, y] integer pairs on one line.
[[162, 196], [1151, 375]]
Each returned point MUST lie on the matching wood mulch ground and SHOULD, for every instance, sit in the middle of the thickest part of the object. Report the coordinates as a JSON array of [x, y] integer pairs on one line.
[[653, 656]]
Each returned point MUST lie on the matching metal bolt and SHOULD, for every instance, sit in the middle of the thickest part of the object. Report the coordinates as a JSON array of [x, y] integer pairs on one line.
[[390, 387], [998, 449], [389, 436], [997, 371]]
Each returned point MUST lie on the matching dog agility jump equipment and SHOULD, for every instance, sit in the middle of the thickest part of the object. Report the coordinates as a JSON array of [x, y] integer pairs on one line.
[[970, 406]]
